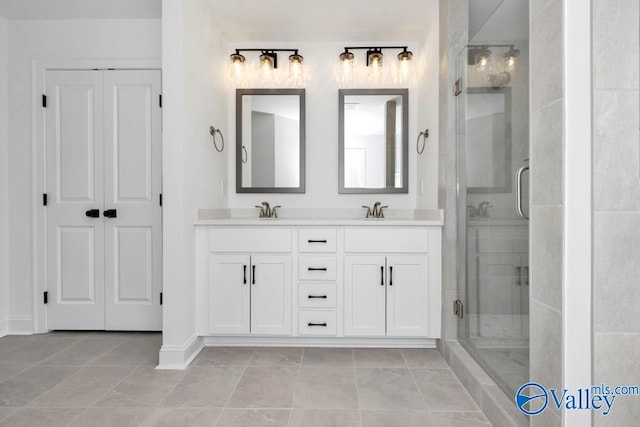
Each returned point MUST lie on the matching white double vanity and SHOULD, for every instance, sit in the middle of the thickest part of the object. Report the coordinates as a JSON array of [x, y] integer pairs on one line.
[[319, 282]]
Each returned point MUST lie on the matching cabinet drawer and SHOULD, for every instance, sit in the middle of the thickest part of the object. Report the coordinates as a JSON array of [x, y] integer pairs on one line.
[[317, 240], [319, 322], [317, 267], [250, 240], [317, 295], [386, 240]]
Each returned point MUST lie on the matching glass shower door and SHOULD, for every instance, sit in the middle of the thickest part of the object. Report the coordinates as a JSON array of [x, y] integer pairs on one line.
[[493, 281]]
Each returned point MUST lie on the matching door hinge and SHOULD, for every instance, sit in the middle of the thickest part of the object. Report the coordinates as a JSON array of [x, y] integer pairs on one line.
[[160, 298], [45, 297], [160, 199], [160, 100], [458, 87], [44, 199], [44, 101], [458, 308]]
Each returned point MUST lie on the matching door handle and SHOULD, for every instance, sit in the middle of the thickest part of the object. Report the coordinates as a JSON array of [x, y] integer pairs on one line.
[[324, 325], [93, 213], [381, 275], [390, 275], [519, 210], [518, 274], [244, 273], [110, 213], [253, 274], [317, 296], [317, 268]]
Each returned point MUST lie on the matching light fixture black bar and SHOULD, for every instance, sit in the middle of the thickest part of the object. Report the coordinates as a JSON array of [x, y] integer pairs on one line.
[[492, 45], [266, 50], [375, 47]]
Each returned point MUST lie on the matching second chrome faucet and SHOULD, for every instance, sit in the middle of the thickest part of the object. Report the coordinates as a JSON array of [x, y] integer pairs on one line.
[[268, 212], [376, 212]]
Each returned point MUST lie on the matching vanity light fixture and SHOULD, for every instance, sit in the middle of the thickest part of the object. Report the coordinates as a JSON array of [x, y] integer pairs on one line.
[[479, 55], [374, 60], [268, 63]]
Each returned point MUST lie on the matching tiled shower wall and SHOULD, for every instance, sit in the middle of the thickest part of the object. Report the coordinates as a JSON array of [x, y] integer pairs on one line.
[[546, 212], [453, 38], [616, 216]]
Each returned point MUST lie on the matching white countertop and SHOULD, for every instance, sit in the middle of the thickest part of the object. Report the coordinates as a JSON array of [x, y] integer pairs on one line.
[[208, 217]]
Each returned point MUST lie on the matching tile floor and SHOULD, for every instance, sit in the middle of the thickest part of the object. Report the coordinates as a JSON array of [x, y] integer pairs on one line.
[[108, 379]]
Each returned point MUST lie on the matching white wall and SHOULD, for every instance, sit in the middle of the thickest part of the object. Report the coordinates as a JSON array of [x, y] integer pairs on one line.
[[51, 40], [194, 100], [321, 89], [425, 182], [4, 183]]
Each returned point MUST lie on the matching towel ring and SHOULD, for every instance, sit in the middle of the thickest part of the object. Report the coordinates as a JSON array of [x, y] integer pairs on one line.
[[213, 132], [424, 135], [245, 155]]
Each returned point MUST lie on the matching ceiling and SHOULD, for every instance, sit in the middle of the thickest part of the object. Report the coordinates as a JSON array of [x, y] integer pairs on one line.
[[324, 20], [259, 20], [509, 22], [81, 9]]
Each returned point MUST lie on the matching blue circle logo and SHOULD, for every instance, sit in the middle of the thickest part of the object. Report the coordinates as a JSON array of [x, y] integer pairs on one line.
[[535, 396]]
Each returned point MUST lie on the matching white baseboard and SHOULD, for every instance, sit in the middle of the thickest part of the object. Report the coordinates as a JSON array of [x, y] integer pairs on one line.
[[179, 357], [351, 342], [20, 325]]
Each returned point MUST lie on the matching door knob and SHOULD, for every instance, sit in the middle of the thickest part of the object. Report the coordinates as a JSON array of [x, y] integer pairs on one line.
[[93, 213], [110, 213]]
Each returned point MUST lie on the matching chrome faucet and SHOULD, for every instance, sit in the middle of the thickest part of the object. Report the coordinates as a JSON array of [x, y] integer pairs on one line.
[[376, 212], [267, 212], [483, 209]]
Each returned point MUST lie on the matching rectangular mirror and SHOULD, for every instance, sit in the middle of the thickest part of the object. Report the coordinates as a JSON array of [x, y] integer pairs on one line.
[[270, 141], [373, 147], [488, 140]]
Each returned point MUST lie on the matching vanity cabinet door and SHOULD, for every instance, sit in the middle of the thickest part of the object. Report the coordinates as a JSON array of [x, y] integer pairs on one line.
[[407, 296], [271, 294], [229, 294], [365, 295]]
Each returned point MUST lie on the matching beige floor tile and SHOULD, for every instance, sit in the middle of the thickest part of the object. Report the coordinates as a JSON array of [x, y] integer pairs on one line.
[[387, 388], [333, 357], [254, 418], [324, 418], [267, 387], [204, 386], [378, 358]]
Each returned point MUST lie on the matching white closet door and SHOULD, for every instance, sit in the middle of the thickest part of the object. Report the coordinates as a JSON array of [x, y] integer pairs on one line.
[[133, 258], [75, 252]]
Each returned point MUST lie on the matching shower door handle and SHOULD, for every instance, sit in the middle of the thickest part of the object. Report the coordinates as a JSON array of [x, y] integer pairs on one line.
[[519, 210]]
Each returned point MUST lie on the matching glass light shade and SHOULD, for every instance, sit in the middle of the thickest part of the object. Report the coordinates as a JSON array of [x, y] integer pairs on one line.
[[295, 67], [266, 67], [405, 63], [375, 64], [510, 58], [237, 66], [347, 68]]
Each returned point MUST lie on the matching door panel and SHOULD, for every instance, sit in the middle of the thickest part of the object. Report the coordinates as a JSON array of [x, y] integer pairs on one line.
[[229, 291], [365, 295], [271, 295], [133, 263], [134, 283], [407, 296], [75, 242], [103, 151]]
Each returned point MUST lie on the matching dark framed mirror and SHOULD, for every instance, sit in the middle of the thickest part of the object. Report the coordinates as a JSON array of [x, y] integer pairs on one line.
[[270, 141], [373, 141]]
